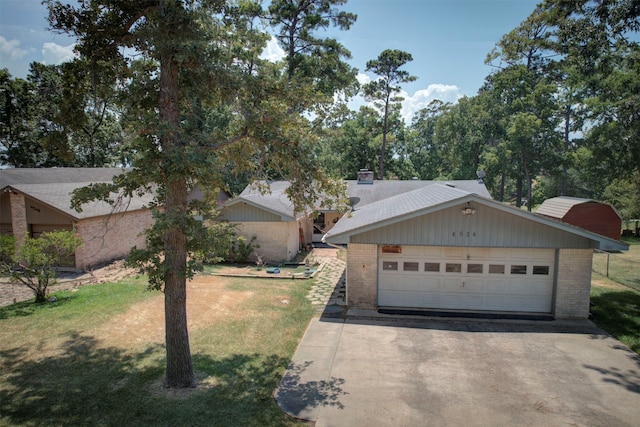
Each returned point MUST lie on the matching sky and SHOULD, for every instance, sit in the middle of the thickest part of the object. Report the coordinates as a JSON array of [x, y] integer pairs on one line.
[[448, 39]]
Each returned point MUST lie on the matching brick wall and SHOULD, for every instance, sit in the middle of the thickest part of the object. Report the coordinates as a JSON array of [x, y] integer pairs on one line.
[[278, 240], [362, 275], [18, 217], [574, 283], [110, 237]]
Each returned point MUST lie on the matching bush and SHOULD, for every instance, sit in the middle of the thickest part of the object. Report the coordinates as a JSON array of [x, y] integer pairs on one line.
[[34, 265], [243, 249]]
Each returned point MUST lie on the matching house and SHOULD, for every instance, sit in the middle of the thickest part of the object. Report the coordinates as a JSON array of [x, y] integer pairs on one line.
[[33, 201], [445, 248], [280, 232], [595, 216]]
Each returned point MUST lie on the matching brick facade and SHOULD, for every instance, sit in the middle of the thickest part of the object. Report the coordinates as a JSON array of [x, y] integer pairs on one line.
[[362, 275], [573, 283], [19, 225], [279, 241], [110, 237]]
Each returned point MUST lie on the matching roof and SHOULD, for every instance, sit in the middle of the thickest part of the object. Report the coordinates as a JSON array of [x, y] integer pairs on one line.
[[272, 199], [53, 186], [13, 176], [276, 201], [559, 207], [436, 197], [364, 194]]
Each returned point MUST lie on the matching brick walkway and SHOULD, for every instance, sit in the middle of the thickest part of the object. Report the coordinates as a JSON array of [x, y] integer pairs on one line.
[[328, 291]]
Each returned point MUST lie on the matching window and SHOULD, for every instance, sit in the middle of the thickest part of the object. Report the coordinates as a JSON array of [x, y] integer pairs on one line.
[[475, 268], [411, 266], [454, 268], [432, 267], [386, 265], [541, 269], [518, 269], [496, 269]]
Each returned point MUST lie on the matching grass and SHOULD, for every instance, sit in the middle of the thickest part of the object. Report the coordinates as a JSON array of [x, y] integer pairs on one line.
[[617, 310], [615, 307], [55, 371], [622, 267]]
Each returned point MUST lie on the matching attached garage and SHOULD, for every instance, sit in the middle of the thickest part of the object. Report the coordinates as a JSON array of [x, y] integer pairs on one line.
[[476, 279], [442, 248]]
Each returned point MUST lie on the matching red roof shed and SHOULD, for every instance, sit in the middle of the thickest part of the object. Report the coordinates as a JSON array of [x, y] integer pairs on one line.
[[591, 215]]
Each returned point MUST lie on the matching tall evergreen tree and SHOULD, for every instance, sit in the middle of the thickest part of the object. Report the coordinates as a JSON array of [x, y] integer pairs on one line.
[[383, 91], [198, 97]]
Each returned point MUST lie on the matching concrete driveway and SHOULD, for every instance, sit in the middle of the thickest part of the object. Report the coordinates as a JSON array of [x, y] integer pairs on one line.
[[450, 372]]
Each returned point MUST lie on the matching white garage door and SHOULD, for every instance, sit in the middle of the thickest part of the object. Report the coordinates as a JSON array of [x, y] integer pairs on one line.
[[477, 279]]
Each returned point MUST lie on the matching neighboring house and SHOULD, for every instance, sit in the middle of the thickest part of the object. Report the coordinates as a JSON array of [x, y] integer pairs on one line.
[[448, 249], [589, 214], [280, 232], [33, 201]]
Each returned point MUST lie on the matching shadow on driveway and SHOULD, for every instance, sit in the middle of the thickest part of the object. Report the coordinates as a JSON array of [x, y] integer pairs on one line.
[[375, 370]]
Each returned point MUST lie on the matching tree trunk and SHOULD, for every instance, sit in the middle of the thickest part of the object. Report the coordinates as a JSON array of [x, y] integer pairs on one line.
[[179, 369], [179, 373], [567, 129], [384, 139]]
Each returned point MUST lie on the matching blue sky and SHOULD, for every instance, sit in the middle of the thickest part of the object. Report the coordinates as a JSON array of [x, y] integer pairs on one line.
[[449, 40]]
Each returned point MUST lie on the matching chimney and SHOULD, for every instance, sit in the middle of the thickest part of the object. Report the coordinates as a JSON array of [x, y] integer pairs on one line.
[[365, 176]]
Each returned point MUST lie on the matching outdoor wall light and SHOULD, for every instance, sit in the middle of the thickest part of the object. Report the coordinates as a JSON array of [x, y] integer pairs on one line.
[[468, 211]]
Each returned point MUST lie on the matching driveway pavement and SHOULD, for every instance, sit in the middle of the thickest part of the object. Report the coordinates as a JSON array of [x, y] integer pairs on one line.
[[375, 370]]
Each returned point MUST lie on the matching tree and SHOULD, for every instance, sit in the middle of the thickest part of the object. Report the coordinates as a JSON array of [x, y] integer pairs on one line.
[[525, 86], [198, 98], [424, 151], [34, 264], [18, 145], [383, 91], [88, 112]]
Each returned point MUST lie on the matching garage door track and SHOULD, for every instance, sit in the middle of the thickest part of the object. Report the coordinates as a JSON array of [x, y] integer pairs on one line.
[[450, 372]]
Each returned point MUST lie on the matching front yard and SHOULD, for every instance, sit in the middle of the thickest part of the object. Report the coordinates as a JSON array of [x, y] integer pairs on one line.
[[96, 355]]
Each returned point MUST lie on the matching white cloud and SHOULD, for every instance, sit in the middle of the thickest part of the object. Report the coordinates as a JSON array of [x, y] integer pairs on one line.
[[54, 54], [423, 97], [11, 50], [272, 52], [363, 79], [413, 103]]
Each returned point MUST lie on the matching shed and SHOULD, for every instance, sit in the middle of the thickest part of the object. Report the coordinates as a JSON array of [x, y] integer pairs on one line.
[[589, 214]]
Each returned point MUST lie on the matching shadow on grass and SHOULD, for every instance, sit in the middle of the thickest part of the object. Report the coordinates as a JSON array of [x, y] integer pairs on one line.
[[89, 385], [29, 307], [618, 313], [297, 397]]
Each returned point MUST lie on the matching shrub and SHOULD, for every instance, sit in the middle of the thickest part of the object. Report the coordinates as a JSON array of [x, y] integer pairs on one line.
[[34, 264]]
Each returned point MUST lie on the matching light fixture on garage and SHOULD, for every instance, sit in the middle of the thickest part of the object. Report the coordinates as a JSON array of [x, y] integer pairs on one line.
[[468, 211]]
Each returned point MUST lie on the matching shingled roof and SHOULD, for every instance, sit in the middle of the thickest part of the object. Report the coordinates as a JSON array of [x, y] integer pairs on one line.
[[276, 201], [53, 187]]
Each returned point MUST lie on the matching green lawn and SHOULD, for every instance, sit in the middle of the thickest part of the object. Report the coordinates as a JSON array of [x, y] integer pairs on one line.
[[616, 307], [55, 370]]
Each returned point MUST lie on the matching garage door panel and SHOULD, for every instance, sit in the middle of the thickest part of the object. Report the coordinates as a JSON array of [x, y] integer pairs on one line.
[[478, 279]]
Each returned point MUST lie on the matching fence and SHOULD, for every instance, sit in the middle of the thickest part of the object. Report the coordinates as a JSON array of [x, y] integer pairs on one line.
[[617, 268]]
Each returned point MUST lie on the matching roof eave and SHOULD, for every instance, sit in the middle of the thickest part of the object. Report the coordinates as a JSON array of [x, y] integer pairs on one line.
[[603, 243]]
